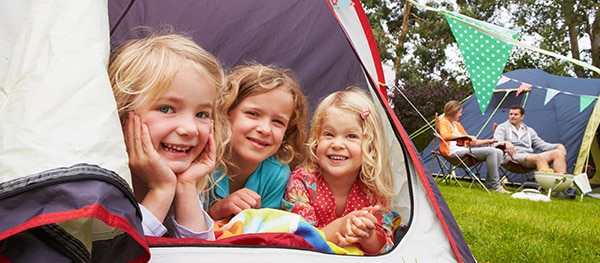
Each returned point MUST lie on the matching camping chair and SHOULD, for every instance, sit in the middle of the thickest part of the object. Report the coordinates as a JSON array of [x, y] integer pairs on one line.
[[514, 167], [448, 165]]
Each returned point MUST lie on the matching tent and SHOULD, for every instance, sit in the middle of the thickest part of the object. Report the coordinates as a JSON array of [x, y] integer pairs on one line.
[[64, 181], [561, 109], [328, 43]]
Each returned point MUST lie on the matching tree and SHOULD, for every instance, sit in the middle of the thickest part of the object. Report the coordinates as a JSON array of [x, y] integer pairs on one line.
[[417, 43], [428, 97]]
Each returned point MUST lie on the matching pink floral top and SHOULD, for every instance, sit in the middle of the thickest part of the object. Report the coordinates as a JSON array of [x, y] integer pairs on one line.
[[308, 195]]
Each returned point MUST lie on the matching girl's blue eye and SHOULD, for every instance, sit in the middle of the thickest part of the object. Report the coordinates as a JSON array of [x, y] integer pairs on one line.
[[202, 115], [164, 109]]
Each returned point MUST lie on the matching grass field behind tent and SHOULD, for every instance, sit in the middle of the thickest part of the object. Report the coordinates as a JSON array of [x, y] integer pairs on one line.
[[499, 228]]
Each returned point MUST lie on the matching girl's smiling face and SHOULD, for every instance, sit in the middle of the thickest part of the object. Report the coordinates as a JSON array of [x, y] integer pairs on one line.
[[179, 122], [258, 124], [339, 151]]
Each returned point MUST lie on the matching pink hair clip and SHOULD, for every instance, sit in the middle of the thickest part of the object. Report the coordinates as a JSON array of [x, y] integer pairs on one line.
[[365, 114]]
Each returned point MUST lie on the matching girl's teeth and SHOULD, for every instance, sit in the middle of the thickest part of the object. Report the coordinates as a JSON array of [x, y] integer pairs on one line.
[[175, 148]]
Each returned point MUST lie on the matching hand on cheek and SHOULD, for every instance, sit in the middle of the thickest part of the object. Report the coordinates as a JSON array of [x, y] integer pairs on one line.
[[144, 161]]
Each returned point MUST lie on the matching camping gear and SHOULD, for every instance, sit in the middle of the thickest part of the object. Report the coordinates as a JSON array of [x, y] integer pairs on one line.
[[64, 180], [328, 44], [531, 194], [553, 182], [561, 110], [468, 163], [583, 184]]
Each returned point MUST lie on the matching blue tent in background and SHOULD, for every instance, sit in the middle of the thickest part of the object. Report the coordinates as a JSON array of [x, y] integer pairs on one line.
[[561, 109]]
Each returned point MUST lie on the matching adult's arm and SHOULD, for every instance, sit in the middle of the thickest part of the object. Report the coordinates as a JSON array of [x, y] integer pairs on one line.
[[539, 144]]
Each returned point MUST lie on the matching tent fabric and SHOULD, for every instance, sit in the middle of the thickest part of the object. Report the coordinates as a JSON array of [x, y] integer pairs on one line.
[[55, 79], [327, 43], [64, 191], [552, 107], [330, 46], [81, 213]]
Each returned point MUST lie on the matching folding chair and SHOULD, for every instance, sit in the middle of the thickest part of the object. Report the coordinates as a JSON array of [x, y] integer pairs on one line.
[[514, 167], [448, 165]]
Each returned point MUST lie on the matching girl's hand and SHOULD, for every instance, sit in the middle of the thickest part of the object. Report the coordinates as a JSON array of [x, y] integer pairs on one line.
[[144, 160], [159, 182], [361, 225], [234, 203], [203, 165]]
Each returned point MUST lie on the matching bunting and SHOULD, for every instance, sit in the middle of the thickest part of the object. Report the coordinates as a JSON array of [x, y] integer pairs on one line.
[[340, 3], [523, 87], [584, 100], [550, 93], [486, 47], [502, 80], [484, 55]]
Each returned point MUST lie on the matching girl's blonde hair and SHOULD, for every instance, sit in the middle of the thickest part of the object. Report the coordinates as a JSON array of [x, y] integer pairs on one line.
[[252, 79], [141, 71], [375, 173]]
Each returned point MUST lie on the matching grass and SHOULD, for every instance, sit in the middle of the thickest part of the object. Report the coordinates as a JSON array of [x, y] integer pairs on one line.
[[499, 228]]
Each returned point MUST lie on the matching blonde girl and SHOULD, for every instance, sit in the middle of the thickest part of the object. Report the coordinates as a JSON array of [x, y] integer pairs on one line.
[[165, 86], [346, 186], [266, 132]]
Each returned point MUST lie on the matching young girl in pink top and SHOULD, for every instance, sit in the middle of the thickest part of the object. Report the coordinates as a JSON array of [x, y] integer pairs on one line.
[[346, 187]]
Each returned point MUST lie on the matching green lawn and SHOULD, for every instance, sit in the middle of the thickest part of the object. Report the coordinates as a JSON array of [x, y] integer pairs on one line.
[[499, 228]]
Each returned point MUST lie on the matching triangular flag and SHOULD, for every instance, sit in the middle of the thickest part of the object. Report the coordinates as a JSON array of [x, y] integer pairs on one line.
[[502, 80], [585, 101], [523, 87], [550, 93], [484, 55], [340, 3]]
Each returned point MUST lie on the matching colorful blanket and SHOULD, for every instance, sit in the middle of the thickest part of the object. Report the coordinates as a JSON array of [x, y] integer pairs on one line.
[[266, 220]]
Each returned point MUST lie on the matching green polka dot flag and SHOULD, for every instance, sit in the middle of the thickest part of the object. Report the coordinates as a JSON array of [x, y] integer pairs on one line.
[[484, 55]]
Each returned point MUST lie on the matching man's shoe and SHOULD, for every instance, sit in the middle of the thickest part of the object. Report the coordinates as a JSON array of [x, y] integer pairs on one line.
[[570, 193]]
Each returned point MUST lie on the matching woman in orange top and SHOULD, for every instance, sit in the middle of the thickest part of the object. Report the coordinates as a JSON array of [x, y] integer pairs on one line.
[[451, 131]]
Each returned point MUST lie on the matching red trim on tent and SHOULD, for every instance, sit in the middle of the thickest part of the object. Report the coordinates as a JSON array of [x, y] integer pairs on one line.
[[383, 94], [429, 190], [364, 21], [93, 211]]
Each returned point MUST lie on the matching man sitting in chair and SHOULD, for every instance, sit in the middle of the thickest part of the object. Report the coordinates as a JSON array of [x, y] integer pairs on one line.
[[520, 141]]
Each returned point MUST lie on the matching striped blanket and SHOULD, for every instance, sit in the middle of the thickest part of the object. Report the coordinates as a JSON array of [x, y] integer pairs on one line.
[[266, 220]]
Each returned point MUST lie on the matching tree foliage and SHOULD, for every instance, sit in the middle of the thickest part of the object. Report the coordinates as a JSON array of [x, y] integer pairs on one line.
[[423, 53]]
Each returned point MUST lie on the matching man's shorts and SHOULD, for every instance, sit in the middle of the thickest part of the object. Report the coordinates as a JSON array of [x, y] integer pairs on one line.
[[520, 157]]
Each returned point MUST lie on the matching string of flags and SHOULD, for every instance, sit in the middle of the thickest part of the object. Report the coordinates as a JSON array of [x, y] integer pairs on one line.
[[486, 48], [584, 100]]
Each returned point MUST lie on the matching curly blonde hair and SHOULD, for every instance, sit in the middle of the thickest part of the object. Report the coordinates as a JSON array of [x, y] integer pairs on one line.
[[141, 70], [252, 79], [375, 173]]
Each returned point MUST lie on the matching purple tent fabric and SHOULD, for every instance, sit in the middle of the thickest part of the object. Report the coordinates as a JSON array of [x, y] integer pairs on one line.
[[318, 52], [34, 207]]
